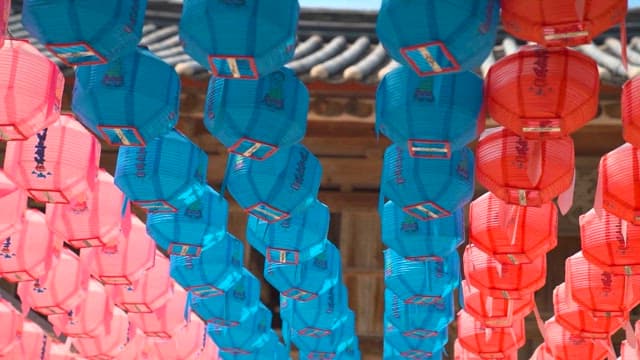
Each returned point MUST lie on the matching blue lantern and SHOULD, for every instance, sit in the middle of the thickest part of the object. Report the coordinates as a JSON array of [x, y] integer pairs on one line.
[[275, 188], [242, 39], [317, 315], [256, 118], [252, 334], [433, 115], [305, 281], [398, 347], [85, 32], [217, 269], [435, 36], [234, 306], [427, 188], [271, 350], [185, 231], [335, 341], [412, 237], [166, 175], [421, 281], [418, 320], [128, 101], [349, 351], [300, 237]]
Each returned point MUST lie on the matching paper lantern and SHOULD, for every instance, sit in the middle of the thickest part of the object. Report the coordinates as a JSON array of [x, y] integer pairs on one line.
[[428, 347], [495, 312], [185, 231], [630, 112], [524, 172], [317, 315], [418, 320], [56, 165], [434, 37], [305, 281], [503, 281], [335, 340], [33, 343], [543, 93], [421, 281], [245, 338], [5, 10], [348, 351], [125, 262], [31, 92], [128, 101], [214, 272], [512, 233], [188, 343], [264, 36], [278, 187], [256, 118], [460, 353], [487, 342], [13, 204], [271, 349], [619, 176], [561, 344], [28, 254], [433, 116], [11, 326], [166, 321], [418, 185], [412, 237], [295, 239], [92, 219], [75, 32]]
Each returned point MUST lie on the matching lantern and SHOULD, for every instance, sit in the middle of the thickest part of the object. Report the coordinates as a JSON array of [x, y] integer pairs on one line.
[[543, 93], [167, 320], [489, 342], [264, 36], [214, 272], [11, 322], [75, 32], [434, 37], [185, 231], [5, 10], [56, 165], [524, 172], [304, 281], [412, 237], [630, 112], [504, 281], [418, 185], [610, 242], [31, 92], [92, 219], [60, 351], [245, 338], [188, 343], [128, 101], [13, 204], [271, 349], [460, 353], [561, 344], [433, 116], [33, 343], [618, 176], [421, 281], [335, 340], [301, 236], [495, 312], [512, 233], [124, 262], [348, 351], [317, 315], [418, 320], [278, 187], [409, 347], [256, 118], [28, 254]]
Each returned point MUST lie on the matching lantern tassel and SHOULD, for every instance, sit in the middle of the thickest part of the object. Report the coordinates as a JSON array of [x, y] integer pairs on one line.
[[580, 6], [514, 229], [565, 200], [534, 168]]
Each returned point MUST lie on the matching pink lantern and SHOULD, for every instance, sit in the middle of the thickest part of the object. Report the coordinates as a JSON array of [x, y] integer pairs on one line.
[[188, 343], [5, 9], [33, 344], [561, 344], [57, 164], [487, 342], [93, 219], [125, 262], [495, 312], [30, 92], [149, 293], [13, 204], [59, 290], [11, 321], [165, 321], [27, 255]]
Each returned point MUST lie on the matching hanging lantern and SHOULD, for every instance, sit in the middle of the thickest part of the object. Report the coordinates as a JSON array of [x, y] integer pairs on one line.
[[245, 338], [185, 231], [495, 312], [28, 254], [525, 172], [460, 353], [256, 118], [610, 242], [512, 233], [75, 32], [421, 281], [33, 343], [188, 343], [630, 111], [166, 321], [214, 272], [619, 176], [349, 350], [397, 346], [503, 281], [562, 344], [418, 185], [92, 219], [124, 262], [271, 349], [128, 101], [264, 36], [433, 116], [13, 204], [418, 320], [412, 237], [11, 322], [57, 164], [31, 92], [434, 37], [336, 340], [278, 187], [543, 93], [157, 178], [489, 342], [301, 236]]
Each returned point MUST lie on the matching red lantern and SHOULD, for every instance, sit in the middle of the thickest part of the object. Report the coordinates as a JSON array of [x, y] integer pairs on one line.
[[188, 343], [27, 255], [495, 312], [460, 353], [165, 321], [561, 344], [13, 204], [32, 344], [524, 172], [487, 342], [511, 233], [57, 164], [631, 112], [619, 176], [30, 91], [11, 322], [503, 281]]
